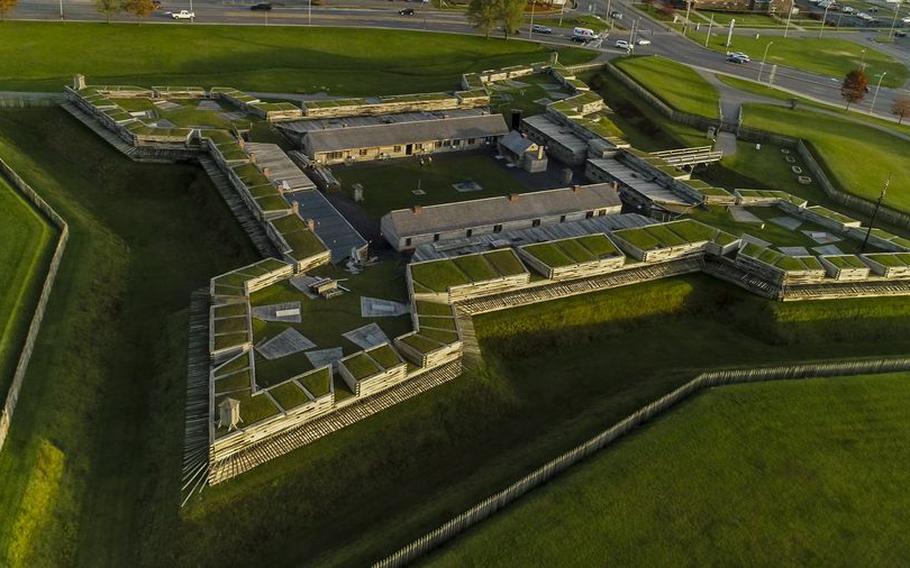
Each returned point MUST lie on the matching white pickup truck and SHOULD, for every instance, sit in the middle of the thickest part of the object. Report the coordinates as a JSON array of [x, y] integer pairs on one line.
[[183, 15]]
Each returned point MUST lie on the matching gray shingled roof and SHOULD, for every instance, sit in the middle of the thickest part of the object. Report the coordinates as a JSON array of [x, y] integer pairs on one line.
[[373, 136], [516, 143], [495, 210]]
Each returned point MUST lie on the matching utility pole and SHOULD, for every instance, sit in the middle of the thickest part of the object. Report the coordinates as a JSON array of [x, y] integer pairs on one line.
[[730, 32], [710, 25], [877, 88], [193, 16], [878, 204], [61, 10], [862, 60], [789, 16], [761, 67], [821, 30], [309, 12], [562, 10]]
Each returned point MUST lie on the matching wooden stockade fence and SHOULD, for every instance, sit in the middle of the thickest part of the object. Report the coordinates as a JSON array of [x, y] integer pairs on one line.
[[196, 430], [12, 395], [548, 471]]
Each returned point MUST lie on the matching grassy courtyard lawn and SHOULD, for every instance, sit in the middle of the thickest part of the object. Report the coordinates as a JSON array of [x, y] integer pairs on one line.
[[829, 56], [743, 19], [90, 471], [26, 245], [677, 85], [390, 185], [506, 98], [858, 157], [323, 321], [799, 472], [273, 58], [558, 372]]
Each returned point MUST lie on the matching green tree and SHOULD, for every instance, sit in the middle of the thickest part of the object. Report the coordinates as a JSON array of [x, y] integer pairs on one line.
[[139, 8], [6, 6], [482, 14], [510, 13], [854, 88], [108, 7]]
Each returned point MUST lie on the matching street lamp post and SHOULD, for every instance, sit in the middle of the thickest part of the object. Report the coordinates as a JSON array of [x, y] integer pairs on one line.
[[821, 30], [710, 25], [894, 19], [531, 27], [193, 14], [61, 10], [309, 12], [789, 16], [877, 88], [688, 11], [761, 67]]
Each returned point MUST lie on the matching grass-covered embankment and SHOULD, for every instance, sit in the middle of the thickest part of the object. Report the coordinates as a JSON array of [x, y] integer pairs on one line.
[[44, 57], [802, 472], [677, 85], [858, 157], [26, 244], [90, 470]]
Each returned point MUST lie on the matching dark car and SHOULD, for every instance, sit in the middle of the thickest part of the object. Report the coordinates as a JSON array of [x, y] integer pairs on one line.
[[263, 7], [406, 12]]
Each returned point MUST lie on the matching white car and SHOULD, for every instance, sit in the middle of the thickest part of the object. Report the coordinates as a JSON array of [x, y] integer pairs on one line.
[[183, 15], [906, 20], [643, 42], [849, 10], [623, 44], [739, 55]]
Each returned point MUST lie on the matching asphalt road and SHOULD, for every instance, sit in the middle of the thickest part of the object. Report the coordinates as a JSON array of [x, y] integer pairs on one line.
[[373, 13]]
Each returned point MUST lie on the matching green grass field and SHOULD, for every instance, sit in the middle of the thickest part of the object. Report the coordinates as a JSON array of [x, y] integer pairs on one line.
[[91, 463], [26, 245], [828, 56], [801, 472], [677, 85], [858, 157], [389, 185], [273, 58]]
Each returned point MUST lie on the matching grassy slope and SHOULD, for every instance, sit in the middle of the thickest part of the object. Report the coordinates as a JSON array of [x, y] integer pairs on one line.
[[766, 473], [559, 372], [26, 243], [828, 56], [674, 83], [251, 57], [859, 157], [89, 471]]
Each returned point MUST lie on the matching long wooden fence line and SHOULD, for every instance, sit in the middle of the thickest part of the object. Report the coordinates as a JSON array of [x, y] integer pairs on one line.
[[12, 395], [551, 469]]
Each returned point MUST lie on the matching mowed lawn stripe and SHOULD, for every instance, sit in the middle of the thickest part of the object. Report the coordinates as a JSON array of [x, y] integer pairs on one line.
[[25, 248]]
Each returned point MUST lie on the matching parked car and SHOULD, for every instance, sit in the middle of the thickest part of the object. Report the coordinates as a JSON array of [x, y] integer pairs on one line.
[[643, 42], [538, 29], [261, 7], [183, 15], [738, 58], [623, 44], [406, 12]]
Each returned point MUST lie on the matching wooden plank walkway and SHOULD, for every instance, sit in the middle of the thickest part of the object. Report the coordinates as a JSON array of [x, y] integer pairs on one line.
[[285, 442]]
